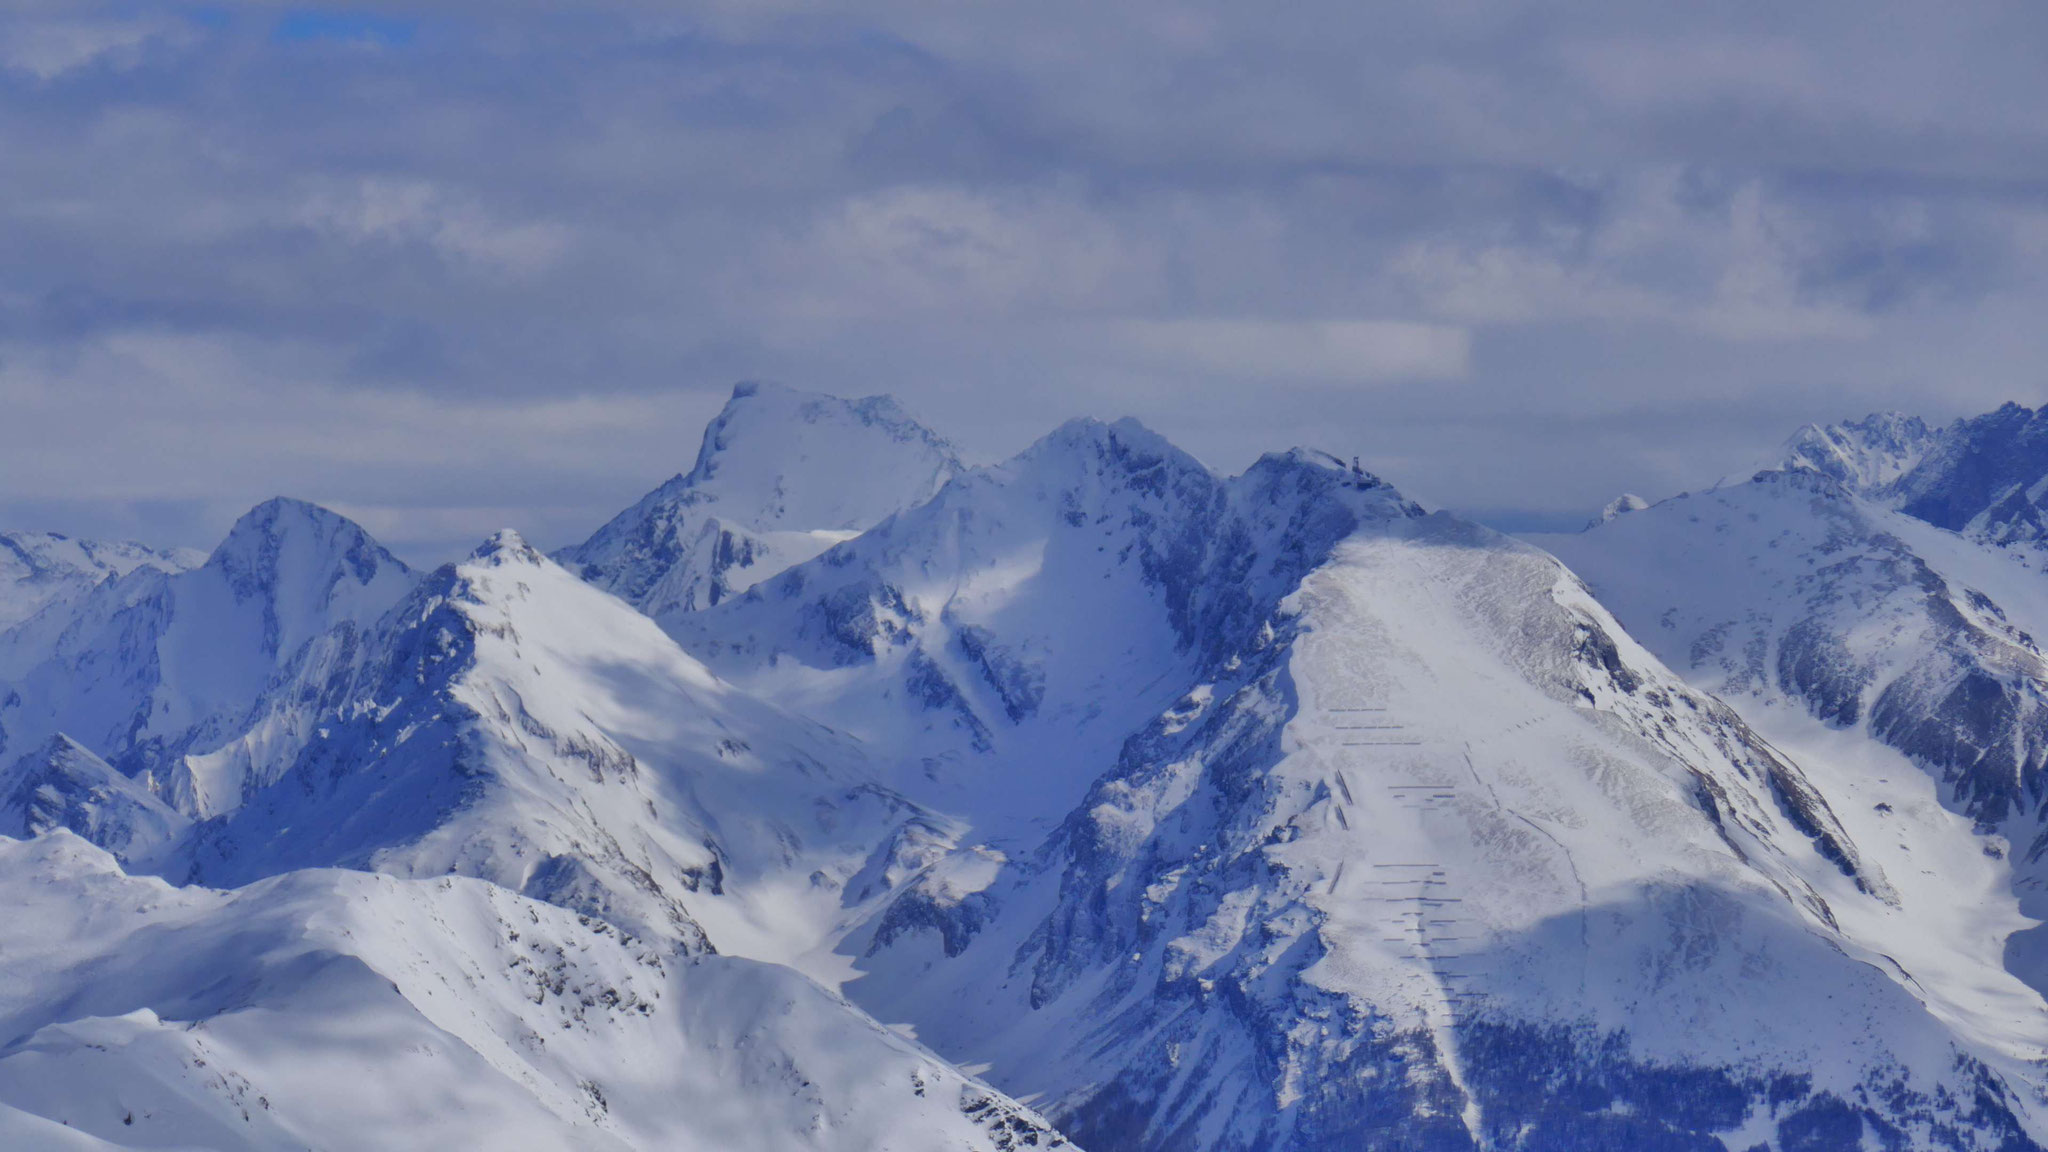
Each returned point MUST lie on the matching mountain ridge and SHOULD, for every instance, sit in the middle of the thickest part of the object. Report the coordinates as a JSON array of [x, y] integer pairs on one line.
[[1225, 813]]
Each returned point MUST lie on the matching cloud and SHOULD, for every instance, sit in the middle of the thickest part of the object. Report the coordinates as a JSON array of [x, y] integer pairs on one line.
[[445, 261], [400, 211], [1257, 352], [920, 249], [49, 47], [1730, 264]]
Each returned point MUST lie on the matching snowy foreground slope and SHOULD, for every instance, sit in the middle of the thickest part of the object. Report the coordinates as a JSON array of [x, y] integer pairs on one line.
[[1266, 812], [329, 1009]]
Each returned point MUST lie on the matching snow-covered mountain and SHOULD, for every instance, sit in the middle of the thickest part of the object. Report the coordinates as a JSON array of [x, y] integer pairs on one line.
[[38, 569], [1791, 589], [508, 721], [1867, 455], [1407, 837], [1006, 637], [1900, 654], [782, 476], [1228, 814], [153, 665], [1985, 477]]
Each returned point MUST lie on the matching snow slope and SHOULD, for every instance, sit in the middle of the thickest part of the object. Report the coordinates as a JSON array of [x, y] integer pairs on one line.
[[328, 1009], [1902, 656], [782, 475]]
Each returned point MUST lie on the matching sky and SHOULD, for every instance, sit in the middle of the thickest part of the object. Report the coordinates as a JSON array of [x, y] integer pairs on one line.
[[458, 265]]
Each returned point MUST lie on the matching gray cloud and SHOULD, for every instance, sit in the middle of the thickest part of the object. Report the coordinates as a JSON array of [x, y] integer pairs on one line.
[[456, 265]]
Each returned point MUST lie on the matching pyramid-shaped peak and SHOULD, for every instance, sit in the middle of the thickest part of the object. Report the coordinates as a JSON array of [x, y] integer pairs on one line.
[[286, 532], [778, 458], [781, 476], [1126, 440], [284, 514], [290, 570]]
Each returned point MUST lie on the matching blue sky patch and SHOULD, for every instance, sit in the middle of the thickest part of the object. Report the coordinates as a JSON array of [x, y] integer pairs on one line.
[[316, 25]]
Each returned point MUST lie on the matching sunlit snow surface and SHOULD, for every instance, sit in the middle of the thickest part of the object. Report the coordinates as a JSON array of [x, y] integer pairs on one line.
[[1813, 612]]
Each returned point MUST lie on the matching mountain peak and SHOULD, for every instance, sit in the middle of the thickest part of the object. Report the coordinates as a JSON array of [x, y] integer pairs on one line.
[[1127, 441], [782, 476], [61, 749], [282, 514], [1865, 455], [1315, 459], [1308, 478], [779, 457], [1088, 429], [285, 533], [506, 546]]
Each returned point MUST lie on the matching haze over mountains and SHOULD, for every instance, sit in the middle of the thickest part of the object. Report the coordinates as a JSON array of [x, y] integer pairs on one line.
[[838, 795]]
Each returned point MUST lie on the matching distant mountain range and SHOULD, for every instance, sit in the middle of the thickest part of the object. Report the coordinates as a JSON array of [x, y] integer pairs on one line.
[[839, 795]]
